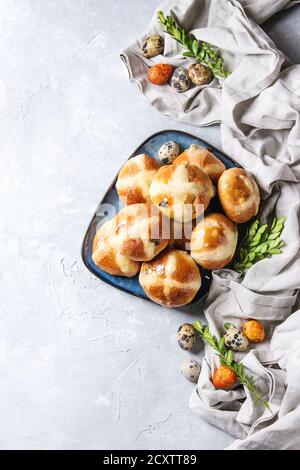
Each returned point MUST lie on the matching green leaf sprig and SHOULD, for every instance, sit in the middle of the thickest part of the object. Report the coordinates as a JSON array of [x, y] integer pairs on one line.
[[227, 359], [202, 51], [260, 242]]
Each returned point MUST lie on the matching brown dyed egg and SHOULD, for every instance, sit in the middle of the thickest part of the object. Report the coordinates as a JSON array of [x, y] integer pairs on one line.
[[199, 75], [224, 377], [254, 331], [153, 46], [160, 74]]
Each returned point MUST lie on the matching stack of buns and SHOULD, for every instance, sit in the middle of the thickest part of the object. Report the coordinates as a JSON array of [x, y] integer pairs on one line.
[[163, 231]]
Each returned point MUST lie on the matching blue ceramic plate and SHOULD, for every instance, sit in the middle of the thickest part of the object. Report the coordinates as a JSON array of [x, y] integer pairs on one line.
[[150, 147]]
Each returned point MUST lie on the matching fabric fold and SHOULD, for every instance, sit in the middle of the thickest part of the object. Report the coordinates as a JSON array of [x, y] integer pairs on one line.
[[258, 108]]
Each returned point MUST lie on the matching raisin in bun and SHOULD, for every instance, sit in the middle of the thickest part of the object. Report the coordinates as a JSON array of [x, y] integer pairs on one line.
[[172, 279], [181, 192], [107, 257], [203, 159], [214, 241], [135, 177], [139, 230], [238, 194]]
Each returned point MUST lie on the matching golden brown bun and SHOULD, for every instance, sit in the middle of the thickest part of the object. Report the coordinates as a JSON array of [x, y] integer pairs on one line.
[[181, 191], [203, 159], [135, 177], [214, 241], [139, 229], [172, 279], [107, 257], [238, 194]]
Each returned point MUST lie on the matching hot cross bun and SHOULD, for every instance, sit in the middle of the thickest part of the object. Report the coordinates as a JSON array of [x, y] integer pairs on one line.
[[107, 257], [172, 279], [135, 178], [203, 159], [214, 241], [181, 192], [238, 194]]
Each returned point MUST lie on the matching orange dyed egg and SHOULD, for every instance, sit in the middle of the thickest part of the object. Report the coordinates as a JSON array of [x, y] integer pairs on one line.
[[254, 331], [160, 74], [224, 377]]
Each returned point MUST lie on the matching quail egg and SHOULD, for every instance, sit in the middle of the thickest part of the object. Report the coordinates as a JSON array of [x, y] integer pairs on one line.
[[224, 378], [168, 152], [159, 74], [186, 336], [199, 75], [153, 46], [190, 369], [254, 331], [236, 340], [180, 81]]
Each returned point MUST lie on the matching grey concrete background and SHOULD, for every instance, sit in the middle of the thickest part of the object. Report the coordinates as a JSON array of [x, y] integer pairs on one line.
[[82, 365]]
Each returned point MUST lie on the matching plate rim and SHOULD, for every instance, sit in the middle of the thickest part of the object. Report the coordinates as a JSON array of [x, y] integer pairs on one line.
[[106, 281]]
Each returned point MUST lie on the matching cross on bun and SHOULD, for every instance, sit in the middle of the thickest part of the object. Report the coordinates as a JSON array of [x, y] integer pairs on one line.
[[172, 279], [107, 257], [203, 159], [135, 177], [181, 192], [139, 231], [214, 241], [238, 194]]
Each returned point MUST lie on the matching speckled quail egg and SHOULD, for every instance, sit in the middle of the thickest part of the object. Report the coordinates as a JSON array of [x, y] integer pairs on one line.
[[180, 81], [153, 46], [168, 152], [190, 369], [236, 340], [199, 75], [186, 336]]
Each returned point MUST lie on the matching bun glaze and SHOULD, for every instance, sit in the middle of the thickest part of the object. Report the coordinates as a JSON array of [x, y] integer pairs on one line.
[[139, 231], [238, 194], [172, 279], [214, 241], [203, 159], [107, 257], [181, 192], [135, 178]]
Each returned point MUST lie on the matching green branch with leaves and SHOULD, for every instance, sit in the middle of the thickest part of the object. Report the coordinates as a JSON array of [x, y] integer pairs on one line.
[[260, 242], [199, 50], [226, 358]]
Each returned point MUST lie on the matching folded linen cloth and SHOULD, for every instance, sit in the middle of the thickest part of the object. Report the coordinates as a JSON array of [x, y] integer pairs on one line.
[[258, 107], [261, 10], [283, 433]]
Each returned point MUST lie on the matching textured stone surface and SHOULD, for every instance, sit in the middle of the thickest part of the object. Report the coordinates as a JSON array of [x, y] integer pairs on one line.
[[82, 365]]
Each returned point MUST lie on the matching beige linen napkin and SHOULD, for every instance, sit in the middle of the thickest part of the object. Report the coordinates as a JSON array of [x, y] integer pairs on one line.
[[258, 108]]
